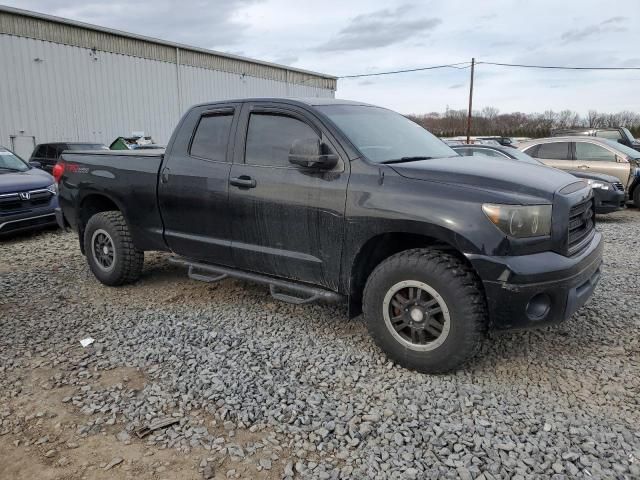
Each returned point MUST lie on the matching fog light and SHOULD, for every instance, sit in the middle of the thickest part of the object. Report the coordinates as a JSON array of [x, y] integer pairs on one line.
[[539, 306]]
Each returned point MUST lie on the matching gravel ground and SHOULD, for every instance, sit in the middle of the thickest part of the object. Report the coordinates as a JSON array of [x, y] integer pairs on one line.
[[263, 389]]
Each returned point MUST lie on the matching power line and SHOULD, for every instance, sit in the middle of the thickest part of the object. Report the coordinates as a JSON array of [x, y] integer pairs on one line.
[[419, 69], [464, 65], [556, 67]]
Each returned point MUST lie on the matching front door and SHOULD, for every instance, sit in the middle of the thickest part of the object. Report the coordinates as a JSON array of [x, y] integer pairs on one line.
[[598, 159], [194, 185], [286, 220]]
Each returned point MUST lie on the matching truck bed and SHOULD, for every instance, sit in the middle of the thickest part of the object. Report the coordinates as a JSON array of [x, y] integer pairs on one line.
[[128, 178]]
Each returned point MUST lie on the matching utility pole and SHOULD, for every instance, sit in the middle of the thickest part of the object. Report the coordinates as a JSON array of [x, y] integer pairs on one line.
[[473, 64]]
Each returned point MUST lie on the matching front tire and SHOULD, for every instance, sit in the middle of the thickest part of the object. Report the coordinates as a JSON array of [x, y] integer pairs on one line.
[[426, 310], [636, 197], [111, 254]]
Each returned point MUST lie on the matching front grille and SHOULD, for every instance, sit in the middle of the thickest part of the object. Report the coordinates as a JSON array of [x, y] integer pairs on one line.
[[11, 203], [618, 186], [581, 226]]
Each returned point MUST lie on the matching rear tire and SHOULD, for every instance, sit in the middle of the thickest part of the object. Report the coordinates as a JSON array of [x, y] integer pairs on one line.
[[426, 310], [111, 254]]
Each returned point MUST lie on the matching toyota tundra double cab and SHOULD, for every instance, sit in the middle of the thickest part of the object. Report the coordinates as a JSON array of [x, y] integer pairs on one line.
[[340, 201]]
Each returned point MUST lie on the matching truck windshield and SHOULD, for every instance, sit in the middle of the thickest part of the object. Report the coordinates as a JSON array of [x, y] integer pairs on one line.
[[10, 162], [385, 136], [629, 135]]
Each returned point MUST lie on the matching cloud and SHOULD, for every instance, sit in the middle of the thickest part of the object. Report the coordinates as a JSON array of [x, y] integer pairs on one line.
[[366, 82], [456, 85], [613, 20], [379, 29], [606, 26], [193, 22]]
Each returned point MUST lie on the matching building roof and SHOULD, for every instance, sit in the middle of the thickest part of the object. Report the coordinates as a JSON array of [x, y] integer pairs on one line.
[[25, 23]]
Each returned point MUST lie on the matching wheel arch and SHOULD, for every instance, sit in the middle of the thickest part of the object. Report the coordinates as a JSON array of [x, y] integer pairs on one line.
[[91, 204], [382, 246]]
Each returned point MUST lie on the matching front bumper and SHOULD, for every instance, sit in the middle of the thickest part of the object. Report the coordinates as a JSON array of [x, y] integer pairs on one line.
[[539, 289], [26, 221], [607, 201]]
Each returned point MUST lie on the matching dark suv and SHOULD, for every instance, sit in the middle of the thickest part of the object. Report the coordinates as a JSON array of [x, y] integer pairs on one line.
[[617, 134], [47, 154]]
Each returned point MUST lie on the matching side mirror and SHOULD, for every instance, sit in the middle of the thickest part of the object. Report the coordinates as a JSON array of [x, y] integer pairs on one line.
[[311, 153], [35, 164]]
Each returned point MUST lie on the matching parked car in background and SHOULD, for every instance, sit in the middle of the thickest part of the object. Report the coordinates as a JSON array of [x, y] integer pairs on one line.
[[47, 154], [504, 141], [28, 195], [592, 154], [617, 134], [326, 199], [608, 192]]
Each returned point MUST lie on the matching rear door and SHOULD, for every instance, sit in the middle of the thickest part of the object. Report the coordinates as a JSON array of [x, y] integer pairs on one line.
[[596, 158], [286, 220], [194, 185], [553, 154]]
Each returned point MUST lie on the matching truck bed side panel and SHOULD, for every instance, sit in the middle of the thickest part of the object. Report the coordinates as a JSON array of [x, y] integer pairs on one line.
[[129, 180]]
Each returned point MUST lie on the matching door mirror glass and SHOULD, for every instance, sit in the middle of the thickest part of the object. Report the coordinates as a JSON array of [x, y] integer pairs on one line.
[[311, 153]]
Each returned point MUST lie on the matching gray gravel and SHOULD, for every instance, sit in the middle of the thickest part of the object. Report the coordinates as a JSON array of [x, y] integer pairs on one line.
[[560, 402]]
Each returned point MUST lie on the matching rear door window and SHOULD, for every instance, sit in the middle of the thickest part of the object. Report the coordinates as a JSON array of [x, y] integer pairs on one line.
[[553, 151], [40, 151], [211, 138]]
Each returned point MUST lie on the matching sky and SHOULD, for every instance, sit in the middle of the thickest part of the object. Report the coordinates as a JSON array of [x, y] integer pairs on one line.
[[341, 37]]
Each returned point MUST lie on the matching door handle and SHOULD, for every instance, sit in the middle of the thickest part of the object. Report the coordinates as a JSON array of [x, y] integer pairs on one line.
[[583, 166], [243, 181], [164, 176]]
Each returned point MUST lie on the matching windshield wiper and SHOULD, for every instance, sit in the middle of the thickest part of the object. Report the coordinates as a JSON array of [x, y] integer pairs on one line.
[[405, 159]]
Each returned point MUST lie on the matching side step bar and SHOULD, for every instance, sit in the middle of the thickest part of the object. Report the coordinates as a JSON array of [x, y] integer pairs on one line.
[[307, 293]]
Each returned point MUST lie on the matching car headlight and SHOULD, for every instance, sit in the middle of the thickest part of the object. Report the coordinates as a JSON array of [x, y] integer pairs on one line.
[[53, 188], [520, 221], [597, 184]]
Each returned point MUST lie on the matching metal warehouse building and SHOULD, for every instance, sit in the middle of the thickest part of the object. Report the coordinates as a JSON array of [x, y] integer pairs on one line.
[[62, 80]]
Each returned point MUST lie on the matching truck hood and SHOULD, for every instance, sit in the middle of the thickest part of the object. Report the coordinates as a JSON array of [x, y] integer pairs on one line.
[[490, 173], [32, 179]]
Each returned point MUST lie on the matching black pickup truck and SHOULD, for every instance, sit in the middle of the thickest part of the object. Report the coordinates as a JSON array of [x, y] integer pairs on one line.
[[333, 200]]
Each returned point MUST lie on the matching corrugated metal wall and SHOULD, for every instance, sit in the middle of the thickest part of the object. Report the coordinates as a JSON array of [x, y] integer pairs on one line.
[[57, 92]]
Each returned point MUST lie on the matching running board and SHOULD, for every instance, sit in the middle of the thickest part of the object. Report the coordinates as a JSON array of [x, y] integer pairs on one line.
[[307, 293]]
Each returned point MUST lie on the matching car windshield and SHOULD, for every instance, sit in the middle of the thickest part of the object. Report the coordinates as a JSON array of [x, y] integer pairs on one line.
[[11, 162], [630, 152], [87, 146], [385, 136]]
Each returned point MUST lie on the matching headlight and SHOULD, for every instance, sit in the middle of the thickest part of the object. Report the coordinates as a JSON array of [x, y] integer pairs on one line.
[[53, 188], [520, 221], [597, 184]]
